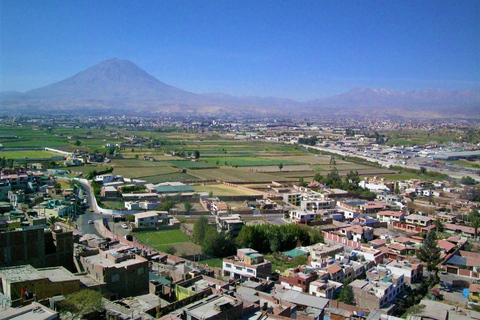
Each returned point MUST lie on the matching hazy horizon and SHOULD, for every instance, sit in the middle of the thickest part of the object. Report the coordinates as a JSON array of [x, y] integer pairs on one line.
[[301, 50]]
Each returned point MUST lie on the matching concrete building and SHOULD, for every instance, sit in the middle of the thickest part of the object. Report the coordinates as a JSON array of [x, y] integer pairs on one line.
[[23, 283], [298, 280], [151, 219], [248, 263], [37, 247], [125, 273], [324, 288], [230, 224], [377, 294], [415, 219], [390, 216], [216, 307], [33, 311], [302, 217]]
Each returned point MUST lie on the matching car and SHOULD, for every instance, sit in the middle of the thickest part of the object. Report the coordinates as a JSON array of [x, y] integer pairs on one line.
[[124, 226], [90, 221]]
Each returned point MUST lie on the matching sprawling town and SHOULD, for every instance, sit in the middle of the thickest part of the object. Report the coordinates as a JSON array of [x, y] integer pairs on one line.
[[218, 218]]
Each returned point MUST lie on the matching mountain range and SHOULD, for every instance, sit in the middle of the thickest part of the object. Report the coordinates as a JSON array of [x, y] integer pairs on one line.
[[119, 86]]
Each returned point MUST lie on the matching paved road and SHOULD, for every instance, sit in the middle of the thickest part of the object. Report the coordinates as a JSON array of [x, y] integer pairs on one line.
[[95, 216]]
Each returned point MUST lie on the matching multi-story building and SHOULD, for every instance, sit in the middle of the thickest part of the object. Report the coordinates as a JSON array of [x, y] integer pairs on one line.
[[390, 216], [151, 219], [248, 263], [124, 273], [324, 288], [303, 217], [377, 294], [37, 247], [231, 224], [298, 280], [416, 219], [21, 283]]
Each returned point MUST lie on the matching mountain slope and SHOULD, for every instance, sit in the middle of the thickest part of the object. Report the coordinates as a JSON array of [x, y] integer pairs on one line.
[[112, 79], [120, 87]]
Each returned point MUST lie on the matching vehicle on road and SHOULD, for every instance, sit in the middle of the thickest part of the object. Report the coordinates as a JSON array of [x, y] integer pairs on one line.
[[124, 226], [90, 221]]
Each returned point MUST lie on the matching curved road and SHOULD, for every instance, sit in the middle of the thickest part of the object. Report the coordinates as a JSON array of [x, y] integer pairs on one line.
[[95, 216]]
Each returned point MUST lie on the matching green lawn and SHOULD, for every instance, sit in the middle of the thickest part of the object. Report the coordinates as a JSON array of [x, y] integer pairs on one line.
[[161, 240], [215, 263]]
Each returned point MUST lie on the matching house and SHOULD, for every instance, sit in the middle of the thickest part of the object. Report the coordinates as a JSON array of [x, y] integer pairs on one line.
[[219, 208], [415, 219], [357, 233], [325, 288], [298, 280], [230, 224], [248, 263], [105, 178], [109, 192], [390, 216], [214, 307], [151, 219], [302, 217]]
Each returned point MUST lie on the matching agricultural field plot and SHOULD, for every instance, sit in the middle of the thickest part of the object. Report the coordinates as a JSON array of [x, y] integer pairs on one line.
[[466, 164], [172, 177], [368, 172], [137, 163], [27, 154], [223, 190], [287, 168], [305, 158], [296, 174], [237, 175], [190, 164], [247, 161], [142, 172]]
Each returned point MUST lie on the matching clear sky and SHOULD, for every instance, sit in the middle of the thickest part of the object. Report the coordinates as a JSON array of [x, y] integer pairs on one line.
[[291, 49]]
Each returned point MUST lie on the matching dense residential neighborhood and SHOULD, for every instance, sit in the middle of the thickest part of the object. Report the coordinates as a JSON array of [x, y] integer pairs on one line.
[[327, 246]]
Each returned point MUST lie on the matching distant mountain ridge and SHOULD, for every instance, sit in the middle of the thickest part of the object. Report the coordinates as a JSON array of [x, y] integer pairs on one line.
[[120, 86]]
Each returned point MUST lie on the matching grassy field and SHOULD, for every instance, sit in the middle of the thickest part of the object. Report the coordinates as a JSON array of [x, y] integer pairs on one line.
[[165, 240], [223, 190], [142, 172], [215, 263], [466, 164], [169, 177], [27, 154]]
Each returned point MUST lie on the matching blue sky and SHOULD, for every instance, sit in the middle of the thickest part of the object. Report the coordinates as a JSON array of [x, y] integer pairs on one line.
[[291, 49]]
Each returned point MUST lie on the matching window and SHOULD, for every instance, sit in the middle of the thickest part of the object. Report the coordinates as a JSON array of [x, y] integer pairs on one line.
[[250, 271], [228, 265], [238, 268]]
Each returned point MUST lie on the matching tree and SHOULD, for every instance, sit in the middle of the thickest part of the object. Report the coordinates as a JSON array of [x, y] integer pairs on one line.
[[475, 225], [280, 166], [438, 225], [333, 162], [469, 181], [78, 143], [52, 220], [196, 154], [210, 194], [188, 206], [130, 217], [218, 244], [346, 295], [429, 252], [136, 156], [199, 229], [80, 303], [423, 170]]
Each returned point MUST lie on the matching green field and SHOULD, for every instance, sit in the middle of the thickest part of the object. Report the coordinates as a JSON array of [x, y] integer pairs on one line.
[[161, 240], [170, 177], [246, 161], [27, 154], [214, 263]]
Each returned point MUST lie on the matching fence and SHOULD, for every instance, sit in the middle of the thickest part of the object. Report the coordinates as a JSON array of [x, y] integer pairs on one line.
[[341, 240]]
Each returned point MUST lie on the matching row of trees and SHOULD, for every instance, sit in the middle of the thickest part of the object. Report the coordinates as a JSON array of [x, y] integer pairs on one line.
[[263, 238], [350, 182]]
